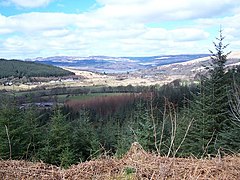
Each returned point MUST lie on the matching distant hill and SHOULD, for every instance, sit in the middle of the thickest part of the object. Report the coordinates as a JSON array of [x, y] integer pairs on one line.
[[17, 68], [188, 69], [115, 64]]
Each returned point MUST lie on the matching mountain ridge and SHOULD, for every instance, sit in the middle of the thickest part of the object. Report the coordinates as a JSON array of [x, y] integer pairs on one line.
[[115, 64]]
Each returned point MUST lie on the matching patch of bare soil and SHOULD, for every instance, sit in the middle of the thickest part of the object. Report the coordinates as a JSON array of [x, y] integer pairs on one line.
[[136, 164]]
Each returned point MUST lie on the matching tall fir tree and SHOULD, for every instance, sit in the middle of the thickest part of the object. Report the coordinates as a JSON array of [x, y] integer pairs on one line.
[[219, 84], [210, 108]]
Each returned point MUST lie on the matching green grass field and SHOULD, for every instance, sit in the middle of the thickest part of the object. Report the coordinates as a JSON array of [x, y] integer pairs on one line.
[[65, 97]]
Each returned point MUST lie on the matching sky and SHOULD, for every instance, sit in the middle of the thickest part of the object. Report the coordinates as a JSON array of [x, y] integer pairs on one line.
[[43, 28]]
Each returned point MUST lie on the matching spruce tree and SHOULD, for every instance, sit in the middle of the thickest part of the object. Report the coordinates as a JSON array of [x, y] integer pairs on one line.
[[11, 123], [85, 142], [230, 141], [56, 148], [218, 84], [142, 127], [210, 108]]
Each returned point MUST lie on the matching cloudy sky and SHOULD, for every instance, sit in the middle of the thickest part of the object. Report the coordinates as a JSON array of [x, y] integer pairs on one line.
[[34, 28]]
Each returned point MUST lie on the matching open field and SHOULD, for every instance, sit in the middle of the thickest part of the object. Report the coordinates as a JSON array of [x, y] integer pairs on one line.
[[89, 79], [96, 79], [63, 97], [136, 164]]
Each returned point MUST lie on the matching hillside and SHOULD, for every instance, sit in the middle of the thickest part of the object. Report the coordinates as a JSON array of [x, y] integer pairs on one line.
[[185, 70], [136, 164], [136, 71], [115, 64], [17, 68]]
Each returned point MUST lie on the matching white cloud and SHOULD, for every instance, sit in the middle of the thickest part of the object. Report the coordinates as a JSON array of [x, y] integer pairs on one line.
[[179, 34], [156, 34], [5, 31], [30, 3], [32, 22], [230, 25], [119, 28], [189, 34], [55, 33], [161, 10]]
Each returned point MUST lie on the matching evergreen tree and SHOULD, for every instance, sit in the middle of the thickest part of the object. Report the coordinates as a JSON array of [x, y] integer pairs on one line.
[[32, 135], [230, 141], [19, 133], [219, 84], [85, 143], [10, 132], [56, 148], [124, 140], [210, 108], [142, 127]]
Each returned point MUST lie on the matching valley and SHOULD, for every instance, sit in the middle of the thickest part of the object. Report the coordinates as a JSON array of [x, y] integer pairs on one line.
[[89, 115], [131, 89], [113, 71]]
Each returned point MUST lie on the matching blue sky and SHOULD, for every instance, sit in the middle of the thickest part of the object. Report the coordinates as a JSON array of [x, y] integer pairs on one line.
[[34, 28], [10, 8]]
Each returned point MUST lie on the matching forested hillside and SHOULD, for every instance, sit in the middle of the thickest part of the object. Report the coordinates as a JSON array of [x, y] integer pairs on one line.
[[20, 69]]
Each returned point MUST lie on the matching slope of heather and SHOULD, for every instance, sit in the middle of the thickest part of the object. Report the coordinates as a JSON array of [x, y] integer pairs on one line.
[[136, 164]]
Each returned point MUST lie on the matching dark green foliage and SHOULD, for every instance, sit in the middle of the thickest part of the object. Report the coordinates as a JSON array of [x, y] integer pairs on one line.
[[210, 108], [124, 140], [143, 127], [218, 84], [31, 133], [230, 141], [108, 133], [202, 135], [10, 147], [129, 170], [85, 142], [19, 134], [20, 69], [56, 148]]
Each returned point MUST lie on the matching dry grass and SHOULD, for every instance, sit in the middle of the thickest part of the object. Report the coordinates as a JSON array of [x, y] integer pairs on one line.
[[95, 79], [91, 79], [136, 164]]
